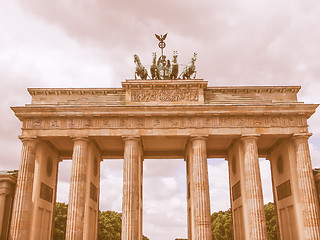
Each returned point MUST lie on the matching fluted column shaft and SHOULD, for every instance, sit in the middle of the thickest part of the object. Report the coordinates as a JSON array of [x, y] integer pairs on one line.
[[307, 187], [76, 205], [255, 207], [22, 208], [130, 200], [201, 197]]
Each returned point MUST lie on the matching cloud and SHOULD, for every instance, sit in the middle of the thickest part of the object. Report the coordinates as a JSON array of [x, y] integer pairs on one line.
[[219, 184], [111, 185], [91, 43], [164, 198], [63, 185], [315, 153], [265, 171]]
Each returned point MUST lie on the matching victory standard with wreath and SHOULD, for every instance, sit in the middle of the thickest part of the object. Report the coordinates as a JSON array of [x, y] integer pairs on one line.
[[163, 69]]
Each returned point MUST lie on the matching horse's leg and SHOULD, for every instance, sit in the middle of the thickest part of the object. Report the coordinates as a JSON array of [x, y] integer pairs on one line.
[[145, 74]]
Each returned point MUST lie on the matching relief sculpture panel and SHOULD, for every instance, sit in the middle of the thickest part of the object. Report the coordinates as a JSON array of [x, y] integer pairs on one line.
[[167, 95], [159, 122]]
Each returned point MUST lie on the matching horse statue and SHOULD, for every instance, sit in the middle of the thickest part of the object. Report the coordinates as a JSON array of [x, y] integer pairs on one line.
[[154, 67], [174, 68], [190, 69], [141, 71]]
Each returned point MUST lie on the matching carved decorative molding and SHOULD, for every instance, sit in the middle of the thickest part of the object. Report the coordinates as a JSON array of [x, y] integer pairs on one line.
[[165, 95], [165, 122]]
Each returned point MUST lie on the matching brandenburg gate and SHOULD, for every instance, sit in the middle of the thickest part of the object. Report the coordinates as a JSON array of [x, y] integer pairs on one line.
[[166, 116], [157, 119]]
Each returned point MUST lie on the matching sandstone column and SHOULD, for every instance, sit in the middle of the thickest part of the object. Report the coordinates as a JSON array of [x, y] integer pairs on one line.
[[307, 189], [130, 200], [76, 205], [257, 222], [22, 208], [200, 188]]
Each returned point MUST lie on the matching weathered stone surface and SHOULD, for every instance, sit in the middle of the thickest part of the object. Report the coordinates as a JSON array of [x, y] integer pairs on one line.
[[308, 195], [131, 223], [257, 221], [22, 208], [76, 204], [159, 119], [200, 187]]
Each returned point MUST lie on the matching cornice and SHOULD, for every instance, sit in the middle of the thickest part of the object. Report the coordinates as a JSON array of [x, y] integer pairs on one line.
[[179, 110]]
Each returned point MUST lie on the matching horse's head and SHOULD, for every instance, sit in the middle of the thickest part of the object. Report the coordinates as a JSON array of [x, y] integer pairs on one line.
[[175, 56], [154, 59], [194, 57], [136, 58]]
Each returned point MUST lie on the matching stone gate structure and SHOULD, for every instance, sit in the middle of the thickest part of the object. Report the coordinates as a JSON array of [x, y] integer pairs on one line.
[[183, 119]]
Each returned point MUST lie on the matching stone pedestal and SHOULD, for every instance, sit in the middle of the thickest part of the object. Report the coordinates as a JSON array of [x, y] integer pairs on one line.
[[76, 207], [131, 221], [307, 188], [22, 208], [253, 188], [200, 187]]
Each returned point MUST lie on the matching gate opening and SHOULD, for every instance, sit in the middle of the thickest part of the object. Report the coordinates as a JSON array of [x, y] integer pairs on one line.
[[164, 199]]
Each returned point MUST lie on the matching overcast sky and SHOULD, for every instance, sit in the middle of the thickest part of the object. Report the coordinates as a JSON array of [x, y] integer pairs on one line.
[[86, 43]]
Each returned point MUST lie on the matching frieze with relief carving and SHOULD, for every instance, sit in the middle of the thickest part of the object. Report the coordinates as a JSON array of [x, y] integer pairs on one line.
[[165, 95], [159, 122]]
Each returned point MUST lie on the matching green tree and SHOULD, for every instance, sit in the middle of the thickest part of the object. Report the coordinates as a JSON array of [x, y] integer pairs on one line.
[[60, 221], [109, 224], [271, 221], [221, 225]]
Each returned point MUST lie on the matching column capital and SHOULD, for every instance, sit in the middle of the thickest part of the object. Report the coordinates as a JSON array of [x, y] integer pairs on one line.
[[296, 136], [29, 139], [134, 138], [317, 177], [249, 136], [82, 138], [6, 187], [10, 179], [198, 137]]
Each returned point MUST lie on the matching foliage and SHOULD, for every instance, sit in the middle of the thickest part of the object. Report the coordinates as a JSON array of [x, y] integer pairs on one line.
[[271, 221], [221, 224], [60, 221], [109, 224]]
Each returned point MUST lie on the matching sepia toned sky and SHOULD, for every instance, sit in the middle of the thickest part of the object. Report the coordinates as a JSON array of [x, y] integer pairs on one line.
[[91, 44]]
